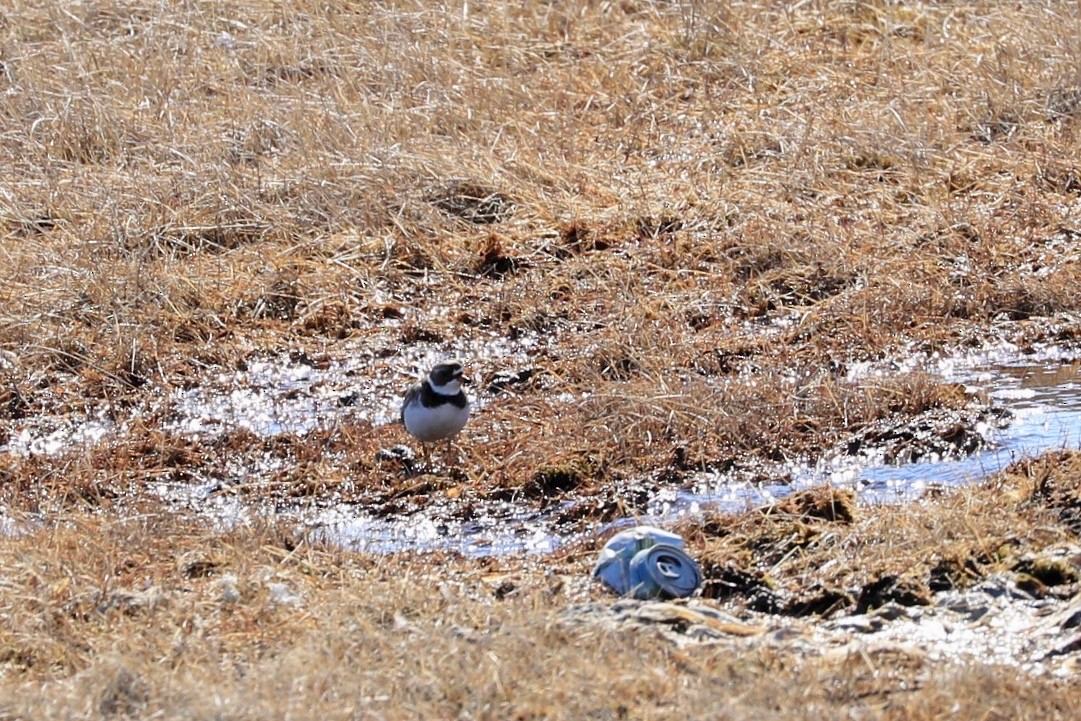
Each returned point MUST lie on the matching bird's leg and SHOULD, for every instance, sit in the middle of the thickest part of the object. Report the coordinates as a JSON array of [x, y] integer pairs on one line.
[[455, 450], [410, 466], [426, 453], [446, 453]]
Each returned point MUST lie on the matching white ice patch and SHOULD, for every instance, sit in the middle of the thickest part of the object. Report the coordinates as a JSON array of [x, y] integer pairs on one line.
[[1014, 393], [277, 395]]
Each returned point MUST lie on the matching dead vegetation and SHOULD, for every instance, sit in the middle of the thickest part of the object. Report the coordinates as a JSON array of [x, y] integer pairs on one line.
[[694, 217], [633, 183], [156, 615], [775, 559]]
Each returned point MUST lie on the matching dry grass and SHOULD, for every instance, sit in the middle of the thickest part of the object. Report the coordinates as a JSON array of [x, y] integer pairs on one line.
[[152, 615], [817, 552], [703, 212], [649, 186]]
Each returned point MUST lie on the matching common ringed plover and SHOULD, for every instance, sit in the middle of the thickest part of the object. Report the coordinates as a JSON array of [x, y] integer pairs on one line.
[[436, 409]]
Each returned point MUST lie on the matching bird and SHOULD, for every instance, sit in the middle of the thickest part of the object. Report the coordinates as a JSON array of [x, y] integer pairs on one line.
[[436, 409]]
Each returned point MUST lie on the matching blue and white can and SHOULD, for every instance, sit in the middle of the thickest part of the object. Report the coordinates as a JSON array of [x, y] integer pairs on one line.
[[646, 563]]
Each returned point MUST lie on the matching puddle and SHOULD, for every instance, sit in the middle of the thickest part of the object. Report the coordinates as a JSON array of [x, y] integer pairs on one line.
[[503, 531]]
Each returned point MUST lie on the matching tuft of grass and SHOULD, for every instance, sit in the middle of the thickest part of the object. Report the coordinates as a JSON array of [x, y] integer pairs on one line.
[[773, 559]]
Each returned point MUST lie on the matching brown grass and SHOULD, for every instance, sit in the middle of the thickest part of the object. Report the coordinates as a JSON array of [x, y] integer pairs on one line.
[[774, 559], [654, 180], [704, 212], [152, 615]]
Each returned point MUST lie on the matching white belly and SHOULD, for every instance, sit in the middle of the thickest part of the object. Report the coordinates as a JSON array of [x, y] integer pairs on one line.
[[435, 424]]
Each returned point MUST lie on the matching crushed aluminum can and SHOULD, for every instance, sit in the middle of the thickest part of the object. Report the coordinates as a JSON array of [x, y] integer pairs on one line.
[[647, 562]]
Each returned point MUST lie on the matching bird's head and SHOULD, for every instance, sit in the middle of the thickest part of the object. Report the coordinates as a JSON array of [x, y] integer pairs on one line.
[[447, 377]]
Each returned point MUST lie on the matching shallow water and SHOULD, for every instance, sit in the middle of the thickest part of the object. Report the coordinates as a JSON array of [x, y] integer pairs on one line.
[[1043, 398], [1041, 392], [1044, 402]]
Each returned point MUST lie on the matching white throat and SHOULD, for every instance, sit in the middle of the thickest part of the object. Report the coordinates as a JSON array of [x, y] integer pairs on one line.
[[451, 388]]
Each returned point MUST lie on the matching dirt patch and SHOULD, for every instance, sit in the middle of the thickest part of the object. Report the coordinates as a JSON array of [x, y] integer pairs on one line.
[[581, 236], [473, 202], [943, 434], [904, 591], [494, 260]]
